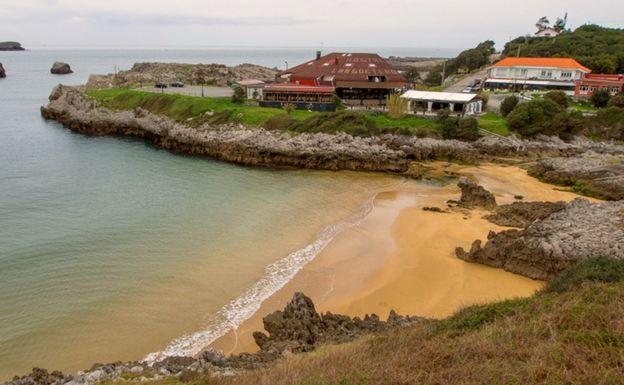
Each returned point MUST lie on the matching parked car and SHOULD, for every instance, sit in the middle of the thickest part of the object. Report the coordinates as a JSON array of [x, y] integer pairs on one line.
[[468, 90], [160, 85], [177, 84]]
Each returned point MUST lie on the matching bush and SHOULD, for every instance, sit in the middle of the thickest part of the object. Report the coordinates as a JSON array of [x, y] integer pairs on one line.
[[534, 117], [238, 96], [617, 101], [594, 270], [468, 129], [558, 97], [485, 95], [288, 108], [509, 104], [396, 106], [600, 98], [565, 125], [281, 122], [338, 102]]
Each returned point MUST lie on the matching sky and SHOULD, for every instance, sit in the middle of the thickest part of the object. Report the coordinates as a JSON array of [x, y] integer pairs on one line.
[[288, 23]]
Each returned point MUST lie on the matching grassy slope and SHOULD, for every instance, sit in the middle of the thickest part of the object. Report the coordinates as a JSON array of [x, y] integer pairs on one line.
[[571, 333], [182, 107]]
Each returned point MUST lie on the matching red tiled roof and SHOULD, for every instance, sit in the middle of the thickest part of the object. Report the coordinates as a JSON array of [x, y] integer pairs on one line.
[[345, 67], [550, 62]]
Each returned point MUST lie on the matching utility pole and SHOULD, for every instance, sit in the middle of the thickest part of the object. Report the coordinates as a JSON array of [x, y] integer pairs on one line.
[[443, 72]]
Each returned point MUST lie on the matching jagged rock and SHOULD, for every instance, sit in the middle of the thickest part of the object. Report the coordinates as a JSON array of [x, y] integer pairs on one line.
[[2, 72], [599, 174], [550, 245], [40, 376], [521, 214], [60, 68], [174, 364], [473, 195], [149, 73]]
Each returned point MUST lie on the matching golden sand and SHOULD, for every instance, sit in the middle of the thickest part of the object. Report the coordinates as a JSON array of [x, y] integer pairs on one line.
[[401, 257]]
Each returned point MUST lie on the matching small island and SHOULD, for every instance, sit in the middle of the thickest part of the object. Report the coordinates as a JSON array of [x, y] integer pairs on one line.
[[11, 46]]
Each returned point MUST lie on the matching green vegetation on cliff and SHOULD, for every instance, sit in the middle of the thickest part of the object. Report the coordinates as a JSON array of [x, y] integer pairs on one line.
[[599, 48], [569, 333], [193, 109]]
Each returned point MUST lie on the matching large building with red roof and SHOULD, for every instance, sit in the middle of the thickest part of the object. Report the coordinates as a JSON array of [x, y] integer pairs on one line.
[[358, 78], [587, 85], [536, 73]]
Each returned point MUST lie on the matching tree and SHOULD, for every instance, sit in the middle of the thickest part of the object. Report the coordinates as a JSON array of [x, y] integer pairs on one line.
[[468, 129], [617, 101], [600, 98], [558, 97], [338, 102], [412, 75], [238, 96], [534, 117], [508, 104]]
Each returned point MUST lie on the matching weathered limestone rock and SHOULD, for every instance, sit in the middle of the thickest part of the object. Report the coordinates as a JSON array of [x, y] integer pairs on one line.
[[550, 245], [521, 214], [474, 196], [60, 68]]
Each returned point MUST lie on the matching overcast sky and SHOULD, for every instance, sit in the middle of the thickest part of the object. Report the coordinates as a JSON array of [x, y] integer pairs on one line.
[[288, 23]]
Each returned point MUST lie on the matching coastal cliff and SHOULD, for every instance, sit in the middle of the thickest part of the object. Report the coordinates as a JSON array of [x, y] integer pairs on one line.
[[256, 146]]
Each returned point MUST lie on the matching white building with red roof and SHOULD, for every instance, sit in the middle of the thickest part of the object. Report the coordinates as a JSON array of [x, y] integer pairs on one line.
[[536, 73]]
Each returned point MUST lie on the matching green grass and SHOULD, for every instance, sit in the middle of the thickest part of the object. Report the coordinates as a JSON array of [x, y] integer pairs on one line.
[[583, 106], [494, 123], [183, 107]]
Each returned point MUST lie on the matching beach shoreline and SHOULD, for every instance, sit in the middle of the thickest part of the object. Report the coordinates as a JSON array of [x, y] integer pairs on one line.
[[401, 257]]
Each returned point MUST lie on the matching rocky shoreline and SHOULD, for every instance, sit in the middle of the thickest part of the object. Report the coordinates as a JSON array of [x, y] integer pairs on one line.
[[298, 328], [259, 147]]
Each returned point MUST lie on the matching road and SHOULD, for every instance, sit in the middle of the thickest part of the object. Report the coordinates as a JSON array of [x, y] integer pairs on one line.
[[209, 91], [463, 82]]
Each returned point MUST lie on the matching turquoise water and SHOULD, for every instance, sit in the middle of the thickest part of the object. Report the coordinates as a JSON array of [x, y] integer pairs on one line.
[[110, 249]]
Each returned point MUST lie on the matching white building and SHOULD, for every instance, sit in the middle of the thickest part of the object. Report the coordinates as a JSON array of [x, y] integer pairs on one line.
[[547, 32], [253, 88], [536, 73], [431, 102]]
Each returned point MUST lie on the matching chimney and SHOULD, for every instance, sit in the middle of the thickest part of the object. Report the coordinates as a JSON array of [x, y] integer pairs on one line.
[[318, 55]]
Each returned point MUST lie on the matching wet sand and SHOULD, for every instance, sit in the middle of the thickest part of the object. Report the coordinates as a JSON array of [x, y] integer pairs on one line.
[[401, 257]]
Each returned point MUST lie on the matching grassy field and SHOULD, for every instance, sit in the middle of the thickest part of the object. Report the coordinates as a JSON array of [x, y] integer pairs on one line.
[[494, 123], [183, 107], [572, 332]]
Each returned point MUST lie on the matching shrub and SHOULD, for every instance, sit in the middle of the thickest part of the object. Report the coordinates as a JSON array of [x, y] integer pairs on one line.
[[485, 95], [534, 117], [594, 270], [288, 108], [617, 101], [338, 102], [280, 122], [396, 106], [600, 98], [238, 96], [468, 129], [509, 104], [565, 125], [558, 97]]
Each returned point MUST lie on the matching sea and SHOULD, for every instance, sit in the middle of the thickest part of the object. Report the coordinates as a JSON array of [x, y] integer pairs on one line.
[[111, 249]]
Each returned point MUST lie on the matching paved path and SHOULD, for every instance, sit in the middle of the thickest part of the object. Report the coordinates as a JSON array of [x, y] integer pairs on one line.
[[463, 82], [212, 92]]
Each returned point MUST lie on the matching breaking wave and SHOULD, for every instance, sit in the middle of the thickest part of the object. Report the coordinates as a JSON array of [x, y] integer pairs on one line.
[[275, 276]]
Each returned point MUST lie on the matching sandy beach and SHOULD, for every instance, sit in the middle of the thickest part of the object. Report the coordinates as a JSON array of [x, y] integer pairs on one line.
[[401, 257]]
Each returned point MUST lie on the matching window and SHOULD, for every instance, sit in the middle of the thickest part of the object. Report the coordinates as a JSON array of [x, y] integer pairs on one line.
[[584, 88], [547, 74], [566, 74], [501, 72]]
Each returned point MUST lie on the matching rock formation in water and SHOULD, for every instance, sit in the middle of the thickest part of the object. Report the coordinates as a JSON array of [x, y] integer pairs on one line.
[[11, 46], [599, 174], [298, 328], [475, 196], [210, 74], [60, 68], [2, 72], [547, 246]]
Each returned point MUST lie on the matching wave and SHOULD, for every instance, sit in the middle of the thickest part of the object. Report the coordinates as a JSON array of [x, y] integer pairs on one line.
[[275, 276]]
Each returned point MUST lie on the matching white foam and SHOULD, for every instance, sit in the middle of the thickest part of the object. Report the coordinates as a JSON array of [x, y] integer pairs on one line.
[[276, 275]]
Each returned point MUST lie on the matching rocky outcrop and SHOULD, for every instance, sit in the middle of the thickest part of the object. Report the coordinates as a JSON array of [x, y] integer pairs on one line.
[[296, 329], [593, 173], [475, 196], [60, 68], [2, 72], [547, 246], [522, 214], [150, 73], [11, 46]]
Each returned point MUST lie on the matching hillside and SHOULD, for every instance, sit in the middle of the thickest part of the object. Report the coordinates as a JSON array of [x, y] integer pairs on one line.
[[570, 333], [599, 48]]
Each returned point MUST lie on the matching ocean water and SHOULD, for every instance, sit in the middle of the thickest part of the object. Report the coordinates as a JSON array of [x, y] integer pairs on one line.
[[111, 249]]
